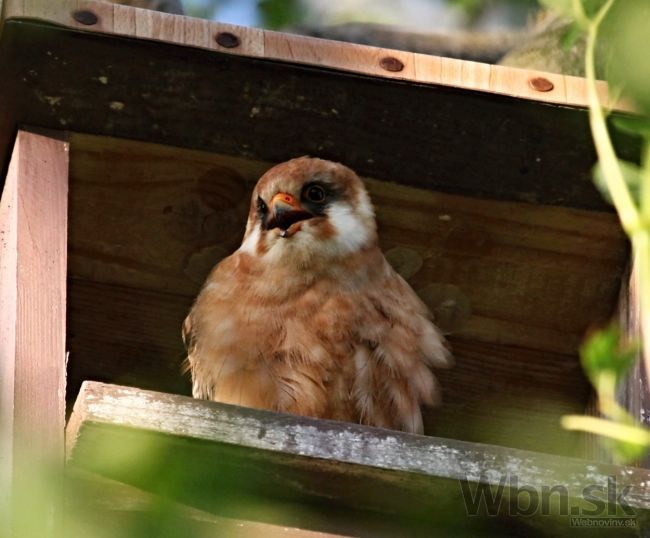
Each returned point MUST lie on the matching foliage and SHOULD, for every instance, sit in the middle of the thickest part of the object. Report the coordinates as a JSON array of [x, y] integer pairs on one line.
[[621, 26]]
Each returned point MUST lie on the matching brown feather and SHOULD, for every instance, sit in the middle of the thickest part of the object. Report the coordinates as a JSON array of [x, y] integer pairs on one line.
[[318, 324]]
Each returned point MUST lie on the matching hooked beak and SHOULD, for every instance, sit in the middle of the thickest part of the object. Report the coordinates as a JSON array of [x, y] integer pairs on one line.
[[286, 211]]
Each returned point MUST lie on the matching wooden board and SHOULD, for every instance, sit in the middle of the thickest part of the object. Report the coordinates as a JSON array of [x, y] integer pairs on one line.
[[221, 458], [425, 135], [33, 252], [145, 24], [515, 285]]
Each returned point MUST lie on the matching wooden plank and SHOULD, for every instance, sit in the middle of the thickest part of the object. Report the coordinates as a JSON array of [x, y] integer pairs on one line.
[[131, 337], [352, 57], [33, 252], [520, 275], [120, 510], [326, 465], [130, 88]]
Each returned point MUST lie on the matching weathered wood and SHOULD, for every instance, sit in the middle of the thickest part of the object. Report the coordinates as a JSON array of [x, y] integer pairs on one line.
[[219, 456], [119, 510], [33, 251], [495, 393], [516, 274], [515, 285], [253, 107]]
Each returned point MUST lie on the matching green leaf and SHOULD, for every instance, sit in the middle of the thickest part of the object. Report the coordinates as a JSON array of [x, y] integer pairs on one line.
[[631, 175], [606, 351], [572, 34], [632, 125], [278, 14], [564, 7]]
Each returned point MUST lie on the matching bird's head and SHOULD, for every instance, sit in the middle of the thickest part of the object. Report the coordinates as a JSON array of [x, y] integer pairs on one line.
[[309, 210]]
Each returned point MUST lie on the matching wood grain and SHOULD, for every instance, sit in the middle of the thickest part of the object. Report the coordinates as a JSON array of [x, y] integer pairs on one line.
[[33, 249], [518, 274], [177, 29], [224, 103], [326, 466], [515, 285]]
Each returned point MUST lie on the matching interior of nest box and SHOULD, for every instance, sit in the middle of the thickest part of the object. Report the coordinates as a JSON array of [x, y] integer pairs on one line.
[[515, 285]]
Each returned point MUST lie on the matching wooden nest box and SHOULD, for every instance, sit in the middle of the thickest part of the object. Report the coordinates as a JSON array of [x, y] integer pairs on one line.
[[131, 141]]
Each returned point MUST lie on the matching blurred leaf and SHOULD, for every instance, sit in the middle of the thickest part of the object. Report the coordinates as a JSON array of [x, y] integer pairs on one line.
[[606, 351], [573, 33], [632, 125], [280, 13], [628, 39], [564, 7], [631, 174]]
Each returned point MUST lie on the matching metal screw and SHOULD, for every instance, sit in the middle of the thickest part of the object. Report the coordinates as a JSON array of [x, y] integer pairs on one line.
[[85, 17], [541, 84], [228, 40], [390, 63]]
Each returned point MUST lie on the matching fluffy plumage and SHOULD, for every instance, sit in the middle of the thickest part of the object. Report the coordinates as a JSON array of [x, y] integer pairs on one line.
[[307, 316]]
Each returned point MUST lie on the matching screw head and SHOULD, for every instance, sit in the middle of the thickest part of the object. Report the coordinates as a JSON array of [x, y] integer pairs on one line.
[[85, 17], [227, 40], [541, 84], [390, 63]]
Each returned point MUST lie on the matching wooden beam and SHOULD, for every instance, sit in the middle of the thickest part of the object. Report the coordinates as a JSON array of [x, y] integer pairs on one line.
[[146, 24], [253, 106], [222, 458], [33, 254]]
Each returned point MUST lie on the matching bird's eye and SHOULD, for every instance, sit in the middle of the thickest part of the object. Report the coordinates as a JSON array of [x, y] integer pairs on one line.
[[316, 194], [261, 206]]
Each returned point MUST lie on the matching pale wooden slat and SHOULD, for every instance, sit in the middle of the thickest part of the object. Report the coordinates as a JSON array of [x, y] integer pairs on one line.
[[181, 30], [33, 243], [123, 20], [251, 40], [517, 83], [350, 57], [345, 56]]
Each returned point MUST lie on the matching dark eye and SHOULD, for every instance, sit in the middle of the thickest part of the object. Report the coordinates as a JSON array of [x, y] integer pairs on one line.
[[316, 194], [261, 206]]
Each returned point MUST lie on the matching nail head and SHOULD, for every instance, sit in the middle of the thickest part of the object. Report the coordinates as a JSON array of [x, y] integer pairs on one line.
[[390, 63], [227, 40], [541, 84], [85, 17]]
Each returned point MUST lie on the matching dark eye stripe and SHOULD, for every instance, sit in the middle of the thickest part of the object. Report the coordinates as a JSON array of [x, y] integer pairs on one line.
[[262, 208]]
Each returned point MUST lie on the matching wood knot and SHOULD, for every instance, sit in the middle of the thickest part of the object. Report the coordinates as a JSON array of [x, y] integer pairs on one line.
[[541, 84], [227, 40], [85, 17], [390, 63]]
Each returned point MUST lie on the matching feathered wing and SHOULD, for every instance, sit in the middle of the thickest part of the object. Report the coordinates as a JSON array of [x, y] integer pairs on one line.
[[394, 355]]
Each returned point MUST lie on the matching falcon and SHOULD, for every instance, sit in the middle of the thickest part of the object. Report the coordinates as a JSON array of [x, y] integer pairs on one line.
[[307, 316]]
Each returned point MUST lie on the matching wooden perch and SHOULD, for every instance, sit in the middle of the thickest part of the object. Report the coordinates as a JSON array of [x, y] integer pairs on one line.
[[224, 459]]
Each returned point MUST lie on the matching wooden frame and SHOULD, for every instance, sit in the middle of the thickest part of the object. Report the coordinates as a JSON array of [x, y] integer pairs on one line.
[[33, 254]]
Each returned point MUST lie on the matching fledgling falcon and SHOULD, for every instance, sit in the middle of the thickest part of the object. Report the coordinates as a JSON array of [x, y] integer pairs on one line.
[[307, 316]]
